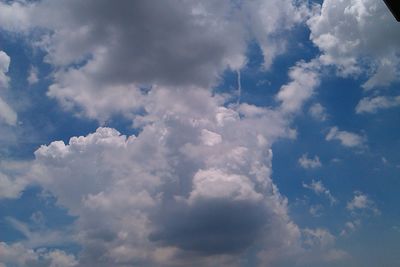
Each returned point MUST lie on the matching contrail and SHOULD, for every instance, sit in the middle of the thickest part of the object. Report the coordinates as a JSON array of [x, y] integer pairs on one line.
[[239, 84]]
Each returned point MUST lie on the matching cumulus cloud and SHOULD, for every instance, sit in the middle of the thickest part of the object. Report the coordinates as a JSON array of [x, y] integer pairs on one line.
[[309, 163], [321, 242], [304, 80], [194, 185], [33, 75], [100, 47], [12, 178], [318, 112], [20, 256], [4, 64], [7, 114], [37, 235], [374, 104], [347, 139], [361, 202], [318, 188], [349, 34]]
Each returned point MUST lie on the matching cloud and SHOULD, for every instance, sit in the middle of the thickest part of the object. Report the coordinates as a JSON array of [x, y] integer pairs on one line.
[[374, 104], [318, 188], [309, 163], [349, 35], [362, 202], [41, 237], [33, 75], [13, 179], [304, 80], [9, 188], [105, 52], [7, 114], [347, 139], [318, 112], [17, 255], [194, 185], [321, 246], [316, 210], [4, 64]]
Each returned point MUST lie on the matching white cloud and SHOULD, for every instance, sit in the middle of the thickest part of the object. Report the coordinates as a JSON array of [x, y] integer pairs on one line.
[[318, 112], [374, 104], [7, 114], [217, 184], [350, 227], [17, 255], [304, 80], [347, 139], [321, 247], [12, 178], [362, 202], [316, 210], [193, 167], [161, 197], [40, 237], [33, 75], [309, 163], [10, 188], [175, 43], [349, 34], [210, 138], [4, 64], [318, 188]]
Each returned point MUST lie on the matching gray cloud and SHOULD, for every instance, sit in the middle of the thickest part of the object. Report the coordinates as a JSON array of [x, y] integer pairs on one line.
[[104, 52]]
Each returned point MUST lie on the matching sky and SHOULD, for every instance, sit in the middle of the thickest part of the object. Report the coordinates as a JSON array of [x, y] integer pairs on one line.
[[199, 133]]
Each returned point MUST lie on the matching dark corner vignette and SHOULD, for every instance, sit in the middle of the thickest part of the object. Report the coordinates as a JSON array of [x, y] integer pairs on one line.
[[394, 6]]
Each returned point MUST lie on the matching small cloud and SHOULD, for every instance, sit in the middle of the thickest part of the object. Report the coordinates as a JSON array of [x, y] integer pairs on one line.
[[350, 227], [304, 80], [319, 189], [318, 112], [347, 139], [361, 202], [33, 75], [309, 163], [316, 210], [374, 104]]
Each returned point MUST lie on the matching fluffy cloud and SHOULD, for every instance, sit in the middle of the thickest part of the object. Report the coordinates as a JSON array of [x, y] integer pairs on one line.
[[362, 202], [349, 35], [7, 114], [12, 178], [304, 80], [374, 104], [347, 139], [194, 185], [309, 163], [19, 256], [4, 64], [106, 52], [320, 242], [33, 75], [318, 112], [318, 188]]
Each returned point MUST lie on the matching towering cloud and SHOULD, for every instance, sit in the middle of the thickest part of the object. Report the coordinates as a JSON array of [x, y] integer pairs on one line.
[[349, 35], [195, 185]]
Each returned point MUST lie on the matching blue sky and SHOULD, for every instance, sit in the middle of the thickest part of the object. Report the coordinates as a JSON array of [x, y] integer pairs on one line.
[[236, 133]]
